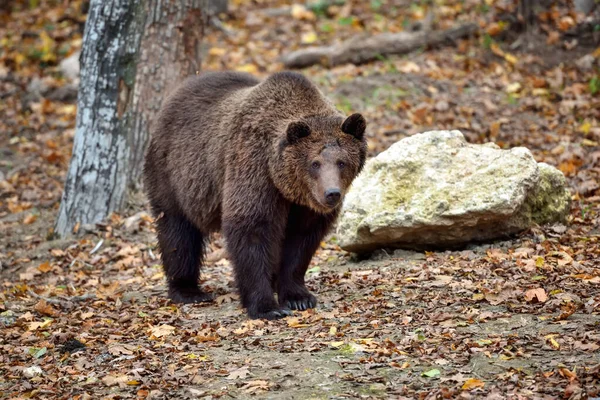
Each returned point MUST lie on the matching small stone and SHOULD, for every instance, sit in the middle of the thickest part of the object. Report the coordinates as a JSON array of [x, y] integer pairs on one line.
[[435, 190], [65, 94], [584, 6], [37, 87], [7, 318], [29, 195], [32, 371], [132, 224], [442, 105], [586, 62]]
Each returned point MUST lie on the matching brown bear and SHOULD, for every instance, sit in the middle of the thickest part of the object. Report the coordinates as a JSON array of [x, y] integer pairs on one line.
[[268, 164]]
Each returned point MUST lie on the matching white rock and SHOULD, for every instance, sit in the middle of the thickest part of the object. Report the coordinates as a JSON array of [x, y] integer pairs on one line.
[[436, 190], [69, 67], [32, 371]]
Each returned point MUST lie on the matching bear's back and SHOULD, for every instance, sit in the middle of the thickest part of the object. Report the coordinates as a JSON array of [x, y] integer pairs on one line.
[[183, 165]]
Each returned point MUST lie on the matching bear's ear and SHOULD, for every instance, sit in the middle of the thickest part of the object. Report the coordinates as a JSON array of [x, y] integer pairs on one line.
[[296, 131], [355, 125]]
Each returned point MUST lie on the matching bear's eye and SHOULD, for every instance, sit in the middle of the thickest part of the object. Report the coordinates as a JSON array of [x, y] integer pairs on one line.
[[315, 165], [341, 164]]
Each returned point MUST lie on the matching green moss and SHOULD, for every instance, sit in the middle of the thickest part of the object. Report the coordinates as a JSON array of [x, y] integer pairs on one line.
[[550, 201]]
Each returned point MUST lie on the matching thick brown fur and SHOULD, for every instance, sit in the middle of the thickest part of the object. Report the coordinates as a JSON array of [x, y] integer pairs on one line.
[[267, 163]]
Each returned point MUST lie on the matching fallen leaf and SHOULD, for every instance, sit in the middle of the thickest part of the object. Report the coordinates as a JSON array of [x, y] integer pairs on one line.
[[161, 330], [431, 373], [29, 219], [44, 308], [473, 383], [44, 267], [294, 322], [538, 294], [111, 380], [249, 68], [239, 373]]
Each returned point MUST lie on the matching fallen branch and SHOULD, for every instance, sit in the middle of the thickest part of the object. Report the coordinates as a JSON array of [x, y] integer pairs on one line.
[[363, 49], [64, 302]]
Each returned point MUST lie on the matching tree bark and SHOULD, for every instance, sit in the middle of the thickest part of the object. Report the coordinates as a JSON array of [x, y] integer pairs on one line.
[[133, 53], [526, 13]]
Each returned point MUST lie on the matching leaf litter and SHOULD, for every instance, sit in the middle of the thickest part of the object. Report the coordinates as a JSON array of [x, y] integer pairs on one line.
[[87, 317]]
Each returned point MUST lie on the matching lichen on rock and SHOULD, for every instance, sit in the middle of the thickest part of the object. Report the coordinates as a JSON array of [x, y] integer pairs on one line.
[[436, 190]]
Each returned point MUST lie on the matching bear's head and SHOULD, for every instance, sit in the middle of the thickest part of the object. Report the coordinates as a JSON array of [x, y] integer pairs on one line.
[[318, 158]]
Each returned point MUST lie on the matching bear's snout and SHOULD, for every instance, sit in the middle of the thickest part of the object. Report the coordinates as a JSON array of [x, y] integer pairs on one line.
[[333, 196]]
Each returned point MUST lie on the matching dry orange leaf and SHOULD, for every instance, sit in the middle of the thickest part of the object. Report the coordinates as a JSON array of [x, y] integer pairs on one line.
[[473, 383], [30, 219], [45, 267], [538, 294], [45, 309]]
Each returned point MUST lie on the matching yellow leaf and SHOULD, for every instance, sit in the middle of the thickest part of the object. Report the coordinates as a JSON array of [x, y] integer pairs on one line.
[[300, 12], [510, 58], [295, 323], [47, 48], [336, 345], [309, 37], [40, 325], [553, 342], [478, 296], [217, 51], [249, 68], [540, 92], [539, 262], [133, 383], [473, 383], [157, 276], [585, 127], [70, 109], [513, 87], [20, 58], [589, 143]]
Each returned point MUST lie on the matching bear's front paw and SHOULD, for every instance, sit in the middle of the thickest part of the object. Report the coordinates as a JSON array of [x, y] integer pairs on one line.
[[298, 299], [268, 311], [189, 295], [273, 314]]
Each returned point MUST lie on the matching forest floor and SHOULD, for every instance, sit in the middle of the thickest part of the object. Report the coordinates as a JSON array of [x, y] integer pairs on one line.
[[87, 317]]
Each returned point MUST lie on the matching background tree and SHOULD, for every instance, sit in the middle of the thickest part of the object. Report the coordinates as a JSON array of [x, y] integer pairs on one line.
[[133, 53]]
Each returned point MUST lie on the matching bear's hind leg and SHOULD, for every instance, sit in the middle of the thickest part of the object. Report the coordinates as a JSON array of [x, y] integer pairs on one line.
[[182, 250]]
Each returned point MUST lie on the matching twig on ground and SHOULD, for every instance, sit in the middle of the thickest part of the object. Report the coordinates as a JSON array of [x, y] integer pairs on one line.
[[362, 49], [66, 302]]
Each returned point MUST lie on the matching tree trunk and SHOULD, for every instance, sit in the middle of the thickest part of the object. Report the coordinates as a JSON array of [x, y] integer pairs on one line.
[[526, 13], [133, 53]]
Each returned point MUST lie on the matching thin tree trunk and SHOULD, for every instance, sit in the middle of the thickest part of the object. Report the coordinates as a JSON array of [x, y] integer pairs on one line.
[[133, 53], [526, 13]]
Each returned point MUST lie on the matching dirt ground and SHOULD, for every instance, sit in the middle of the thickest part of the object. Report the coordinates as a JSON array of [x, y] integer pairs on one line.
[[87, 317]]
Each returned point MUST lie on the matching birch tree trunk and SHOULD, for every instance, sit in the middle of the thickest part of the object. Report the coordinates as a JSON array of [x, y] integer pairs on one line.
[[133, 53]]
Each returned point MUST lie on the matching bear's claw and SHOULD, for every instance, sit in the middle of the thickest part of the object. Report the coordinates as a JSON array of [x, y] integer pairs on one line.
[[271, 315], [302, 300], [301, 305], [190, 296]]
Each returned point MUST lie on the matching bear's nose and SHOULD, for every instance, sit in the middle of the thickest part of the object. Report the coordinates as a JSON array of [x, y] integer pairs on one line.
[[332, 196]]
